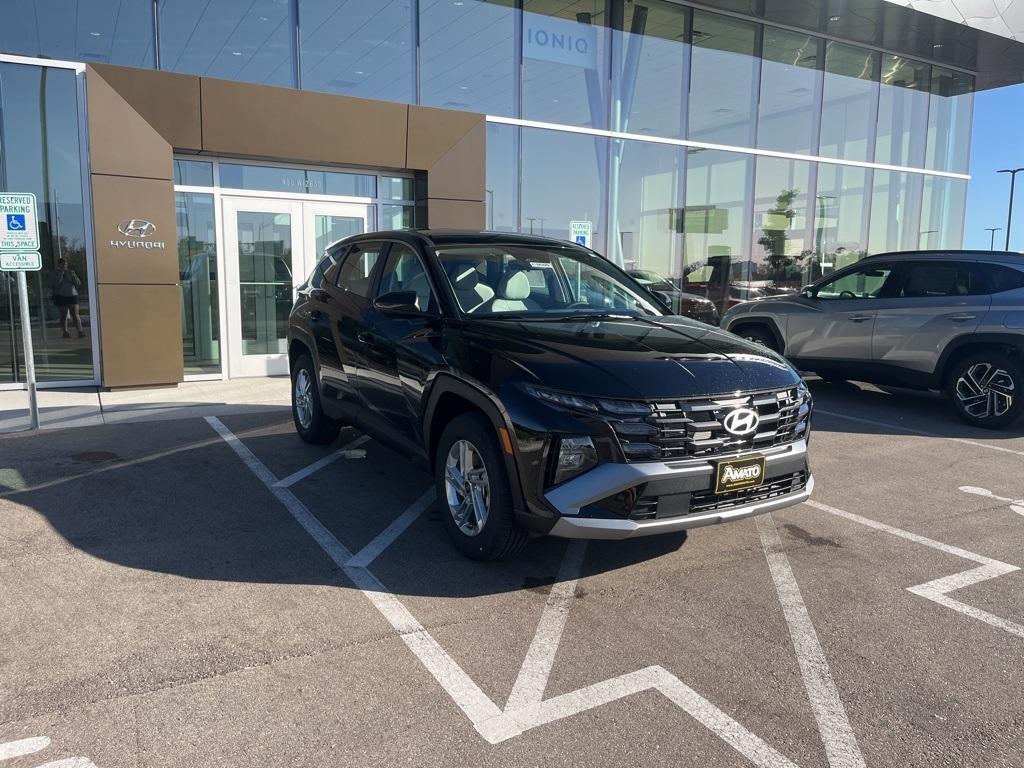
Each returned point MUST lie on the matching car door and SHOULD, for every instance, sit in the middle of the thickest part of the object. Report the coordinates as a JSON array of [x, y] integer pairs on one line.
[[837, 319], [349, 307], [400, 350], [317, 300], [933, 302]]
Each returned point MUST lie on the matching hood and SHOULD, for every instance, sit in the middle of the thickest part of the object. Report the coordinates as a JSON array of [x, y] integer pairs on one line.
[[642, 358]]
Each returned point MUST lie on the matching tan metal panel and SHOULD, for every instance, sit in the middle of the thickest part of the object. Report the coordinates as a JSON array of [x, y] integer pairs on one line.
[[140, 335], [433, 132], [141, 254], [169, 102], [287, 124], [460, 174], [455, 214], [121, 142]]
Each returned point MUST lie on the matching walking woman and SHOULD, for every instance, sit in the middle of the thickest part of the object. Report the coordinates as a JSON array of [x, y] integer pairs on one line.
[[65, 296]]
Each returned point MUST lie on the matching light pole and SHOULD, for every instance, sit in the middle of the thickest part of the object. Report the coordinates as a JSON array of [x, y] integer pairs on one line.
[[531, 219], [1009, 213], [992, 239], [490, 209]]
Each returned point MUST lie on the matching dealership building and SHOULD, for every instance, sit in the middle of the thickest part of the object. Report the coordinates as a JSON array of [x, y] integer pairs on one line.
[[191, 159]]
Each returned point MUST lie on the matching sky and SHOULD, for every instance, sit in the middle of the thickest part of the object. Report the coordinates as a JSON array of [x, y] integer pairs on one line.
[[997, 141]]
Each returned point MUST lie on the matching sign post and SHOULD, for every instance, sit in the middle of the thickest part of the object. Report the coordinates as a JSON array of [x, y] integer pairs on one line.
[[19, 235]]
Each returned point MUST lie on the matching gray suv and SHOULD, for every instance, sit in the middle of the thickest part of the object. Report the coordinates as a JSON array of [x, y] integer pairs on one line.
[[946, 320]]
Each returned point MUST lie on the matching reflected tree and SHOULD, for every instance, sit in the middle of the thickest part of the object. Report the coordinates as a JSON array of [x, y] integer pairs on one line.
[[779, 220]]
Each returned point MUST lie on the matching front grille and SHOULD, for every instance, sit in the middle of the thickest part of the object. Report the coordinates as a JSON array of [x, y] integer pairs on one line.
[[676, 429], [709, 501]]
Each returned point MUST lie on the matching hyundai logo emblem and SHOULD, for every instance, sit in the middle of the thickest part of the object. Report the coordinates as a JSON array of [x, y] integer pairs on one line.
[[136, 228], [741, 421]]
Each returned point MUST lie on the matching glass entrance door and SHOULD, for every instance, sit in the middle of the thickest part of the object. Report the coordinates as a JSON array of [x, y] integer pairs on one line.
[[270, 248]]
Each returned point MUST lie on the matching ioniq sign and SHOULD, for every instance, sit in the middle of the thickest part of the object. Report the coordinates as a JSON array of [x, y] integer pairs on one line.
[[138, 232]]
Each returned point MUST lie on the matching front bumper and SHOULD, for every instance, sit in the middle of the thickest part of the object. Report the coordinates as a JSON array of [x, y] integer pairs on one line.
[[672, 479]]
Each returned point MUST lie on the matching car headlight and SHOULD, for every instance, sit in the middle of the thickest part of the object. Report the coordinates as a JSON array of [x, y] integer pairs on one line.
[[575, 456], [561, 398]]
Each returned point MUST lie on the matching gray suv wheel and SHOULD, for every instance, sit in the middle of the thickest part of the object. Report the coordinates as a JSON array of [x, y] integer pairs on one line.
[[987, 389]]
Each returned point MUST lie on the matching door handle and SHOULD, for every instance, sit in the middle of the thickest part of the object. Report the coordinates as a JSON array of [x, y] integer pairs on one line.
[[960, 317], [859, 318], [363, 337]]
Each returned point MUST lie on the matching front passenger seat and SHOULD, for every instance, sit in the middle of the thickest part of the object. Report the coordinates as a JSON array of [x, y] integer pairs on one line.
[[514, 294], [471, 293]]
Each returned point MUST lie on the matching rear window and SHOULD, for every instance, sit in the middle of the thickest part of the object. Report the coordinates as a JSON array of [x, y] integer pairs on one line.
[[1002, 278]]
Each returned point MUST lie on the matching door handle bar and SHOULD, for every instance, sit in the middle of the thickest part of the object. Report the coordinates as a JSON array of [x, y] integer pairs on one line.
[[962, 316], [859, 318]]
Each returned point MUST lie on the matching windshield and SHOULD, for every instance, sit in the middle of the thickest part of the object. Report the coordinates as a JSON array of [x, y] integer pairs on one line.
[[515, 280]]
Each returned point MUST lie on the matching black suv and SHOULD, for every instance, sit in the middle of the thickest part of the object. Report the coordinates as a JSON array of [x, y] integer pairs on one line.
[[546, 389]]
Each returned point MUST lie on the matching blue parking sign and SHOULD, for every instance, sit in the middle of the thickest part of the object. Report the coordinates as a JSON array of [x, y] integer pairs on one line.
[[15, 222]]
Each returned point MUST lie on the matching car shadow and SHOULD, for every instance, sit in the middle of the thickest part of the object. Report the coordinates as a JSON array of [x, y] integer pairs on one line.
[[179, 501], [860, 408]]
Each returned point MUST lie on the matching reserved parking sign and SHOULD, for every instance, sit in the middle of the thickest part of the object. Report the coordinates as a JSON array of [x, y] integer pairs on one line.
[[19, 227]]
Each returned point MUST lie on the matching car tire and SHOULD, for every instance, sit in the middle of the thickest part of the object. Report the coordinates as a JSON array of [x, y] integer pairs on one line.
[[312, 424], [987, 390], [759, 335], [469, 443]]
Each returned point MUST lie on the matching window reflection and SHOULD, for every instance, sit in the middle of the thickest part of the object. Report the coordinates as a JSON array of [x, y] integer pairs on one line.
[[790, 82], [902, 112], [723, 80], [895, 212], [358, 48], [249, 40], [781, 244], [565, 62], [943, 205], [502, 191], [39, 117], [849, 102], [467, 55], [840, 219], [649, 69], [949, 120], [197, 269], [715, 223]]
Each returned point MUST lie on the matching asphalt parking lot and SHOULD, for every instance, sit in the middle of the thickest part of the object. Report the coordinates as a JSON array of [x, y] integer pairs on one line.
[[207, 592]]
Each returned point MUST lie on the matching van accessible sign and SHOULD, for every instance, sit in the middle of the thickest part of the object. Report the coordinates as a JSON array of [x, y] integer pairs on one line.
[[559, 41], [19, 227], [21, 261]]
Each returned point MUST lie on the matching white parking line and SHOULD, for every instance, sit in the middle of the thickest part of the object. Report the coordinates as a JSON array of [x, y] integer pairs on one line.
[[833, 724], [12, 749], [923, 433], [386, 538], [490, 722], [1016, 505], [347, 452], [938, 589]]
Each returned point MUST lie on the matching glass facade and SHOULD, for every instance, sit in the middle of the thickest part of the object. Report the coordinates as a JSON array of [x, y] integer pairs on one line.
[[40, 153]]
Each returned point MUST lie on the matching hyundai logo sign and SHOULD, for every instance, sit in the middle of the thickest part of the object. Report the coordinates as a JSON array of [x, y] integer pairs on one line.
[[136, 228], [741, 421]]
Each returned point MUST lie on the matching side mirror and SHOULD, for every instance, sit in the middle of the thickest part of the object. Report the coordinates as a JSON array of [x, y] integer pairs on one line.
[[398, 304], [664, 298], [807, 292]]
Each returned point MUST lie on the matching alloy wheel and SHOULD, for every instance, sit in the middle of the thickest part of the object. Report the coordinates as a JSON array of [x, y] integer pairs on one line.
[[304, 398], [467, 487], [985, 391]]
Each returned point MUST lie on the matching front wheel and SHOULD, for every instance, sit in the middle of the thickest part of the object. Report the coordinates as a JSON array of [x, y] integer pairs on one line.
[[312, 424], [987, 390], [759, 335], [473, 491]]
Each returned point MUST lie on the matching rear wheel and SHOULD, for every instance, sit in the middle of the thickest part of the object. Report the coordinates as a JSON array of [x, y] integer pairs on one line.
[[312, 424], [987, 390], [759, 335], [473, 491]]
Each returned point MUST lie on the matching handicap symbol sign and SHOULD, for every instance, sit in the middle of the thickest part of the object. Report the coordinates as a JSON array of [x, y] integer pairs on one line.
[[581, 239], [15, 222]]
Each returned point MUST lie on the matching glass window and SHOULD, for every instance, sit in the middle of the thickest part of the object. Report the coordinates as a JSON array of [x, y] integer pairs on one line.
[[849, 103], [864, 283], [840, 219], [790, 82], [902, 112], [40, 154], [397, 188], [716, 223], [398, 216], [404, 271], [723, 80], [781, 248], [647, 207], [943, 203], [328, 229], [571, 189], [650, 69], [895, 212], [265, 248], [565, 62], [197, 270], [949, 120], [930, 279], [273, 179], [502, 192], [249, 40], [358, 48], [193, 173], [357, 269], [1001, 278], [468, 55], [89, 30]]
